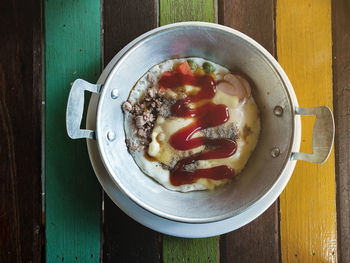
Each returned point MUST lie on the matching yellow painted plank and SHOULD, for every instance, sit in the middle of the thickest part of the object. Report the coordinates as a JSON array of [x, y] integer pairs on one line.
[[308, 206]]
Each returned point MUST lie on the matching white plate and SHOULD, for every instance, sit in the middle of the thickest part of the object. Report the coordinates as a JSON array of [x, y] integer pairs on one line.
[[163, 225]]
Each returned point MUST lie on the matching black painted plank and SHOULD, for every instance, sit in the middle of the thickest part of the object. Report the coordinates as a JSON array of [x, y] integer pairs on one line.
[[124, 239], [21, 231]]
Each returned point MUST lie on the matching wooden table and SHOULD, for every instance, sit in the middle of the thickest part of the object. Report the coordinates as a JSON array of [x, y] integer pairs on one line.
[[46, 45]]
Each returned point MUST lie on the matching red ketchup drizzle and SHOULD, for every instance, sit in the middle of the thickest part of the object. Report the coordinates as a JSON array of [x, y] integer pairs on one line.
[[207, 115]]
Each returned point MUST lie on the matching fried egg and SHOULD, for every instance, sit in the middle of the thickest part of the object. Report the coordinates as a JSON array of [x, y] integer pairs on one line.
[[160, 154]]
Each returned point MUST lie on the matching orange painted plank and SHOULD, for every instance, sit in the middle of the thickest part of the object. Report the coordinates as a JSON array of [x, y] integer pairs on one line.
[[308, 206]]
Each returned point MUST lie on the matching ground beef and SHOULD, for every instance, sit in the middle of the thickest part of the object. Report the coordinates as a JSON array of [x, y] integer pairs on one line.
[[134, 147], [144, 113]]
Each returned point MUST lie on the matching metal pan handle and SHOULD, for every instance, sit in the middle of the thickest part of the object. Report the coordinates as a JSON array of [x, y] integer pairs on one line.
[[322, 137], [75, 108]]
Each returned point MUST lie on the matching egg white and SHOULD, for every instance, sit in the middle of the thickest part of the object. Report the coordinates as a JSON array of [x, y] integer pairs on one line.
[[243, 115]]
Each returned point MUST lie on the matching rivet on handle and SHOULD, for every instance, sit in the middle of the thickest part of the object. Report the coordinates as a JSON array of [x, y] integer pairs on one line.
[[275, 152], [278, 111], [111, 136], [115, 93]]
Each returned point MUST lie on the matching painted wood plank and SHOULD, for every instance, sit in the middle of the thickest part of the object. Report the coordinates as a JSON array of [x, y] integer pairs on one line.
[[308, 207], [21, 231], [259, 240], [190, 250], [139, 16], [179, 249], [124, 239], [172, 11], [73, 195], [341, 93]]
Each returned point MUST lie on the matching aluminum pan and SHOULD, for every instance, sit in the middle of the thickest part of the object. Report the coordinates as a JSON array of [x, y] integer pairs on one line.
[[262, 171]]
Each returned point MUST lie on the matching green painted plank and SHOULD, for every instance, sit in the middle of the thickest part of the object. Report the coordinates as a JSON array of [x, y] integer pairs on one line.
[[73, 195], [180, 249], [172, 11], [190, 250]]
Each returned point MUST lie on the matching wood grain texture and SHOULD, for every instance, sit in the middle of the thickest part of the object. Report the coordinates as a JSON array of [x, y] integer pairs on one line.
[[179, 249], [172, 11], [124, 239], [190, 250], [341, 95], [73, 195], [259, 240], [124, 21], [21, 232], [253, 18], [307, 205]]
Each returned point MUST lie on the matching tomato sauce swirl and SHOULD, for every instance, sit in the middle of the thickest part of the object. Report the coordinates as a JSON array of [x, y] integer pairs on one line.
[[205, 116]]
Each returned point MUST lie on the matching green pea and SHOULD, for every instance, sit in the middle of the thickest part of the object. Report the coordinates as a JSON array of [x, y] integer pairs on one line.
[[192, 64], [208, 68]]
